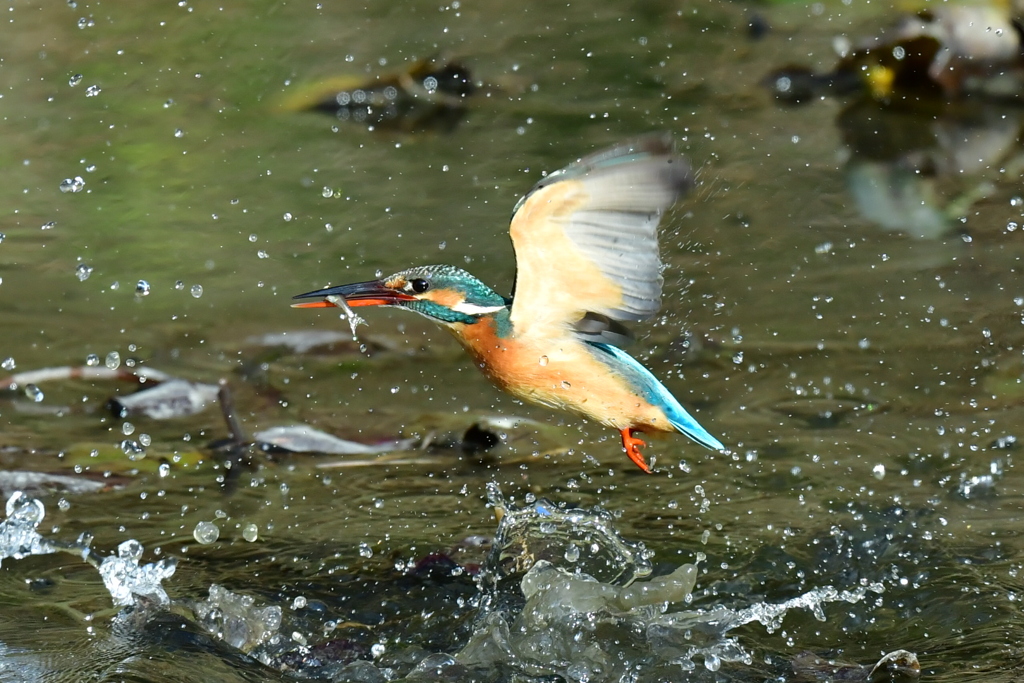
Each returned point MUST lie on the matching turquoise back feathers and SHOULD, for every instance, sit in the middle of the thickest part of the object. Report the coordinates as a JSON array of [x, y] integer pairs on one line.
[[654, 392]]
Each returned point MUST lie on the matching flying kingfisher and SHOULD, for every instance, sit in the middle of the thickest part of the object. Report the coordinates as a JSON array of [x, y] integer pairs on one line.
[[586, 247]]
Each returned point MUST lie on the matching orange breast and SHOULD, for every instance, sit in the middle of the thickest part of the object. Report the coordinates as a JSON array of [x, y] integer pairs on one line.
[[559, 372]]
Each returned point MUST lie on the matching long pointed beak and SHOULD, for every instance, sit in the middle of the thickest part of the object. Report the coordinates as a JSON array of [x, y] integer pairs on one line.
[[372, 293]]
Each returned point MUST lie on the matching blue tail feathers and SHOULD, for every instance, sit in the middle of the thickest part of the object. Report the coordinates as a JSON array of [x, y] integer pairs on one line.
[[658, 395]]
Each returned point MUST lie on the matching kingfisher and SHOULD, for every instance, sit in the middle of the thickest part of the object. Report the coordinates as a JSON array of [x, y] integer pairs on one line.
[[586, 248]]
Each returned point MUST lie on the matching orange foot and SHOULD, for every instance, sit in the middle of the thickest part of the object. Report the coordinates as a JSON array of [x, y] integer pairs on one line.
[[632, 445]]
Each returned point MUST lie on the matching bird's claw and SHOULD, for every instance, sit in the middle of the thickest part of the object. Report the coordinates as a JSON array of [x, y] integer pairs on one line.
[[632, 445]]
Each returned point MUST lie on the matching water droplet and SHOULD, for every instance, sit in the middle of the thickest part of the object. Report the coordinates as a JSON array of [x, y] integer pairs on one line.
[[179, 285], [93, 91], [164, 469], [262, 254], [327, 193], [63, 505], [92, 360], [878, 471], [206, 532], [75, 80], [299, 602], [2, 237], [253, 237], [8, 364], [34, 393], [196, 291], [142, 288], [543, 360], [133, 449], [378, 503], [1017, 201], [566, 385], [22, 509], [288, 217], [572, 553], [48, 226], [113, 360], [127, 429], [250, 532], [83, 271], [365, 550], [145, 440], [179, 133], [377, 649], [72, 184], [130, 550]]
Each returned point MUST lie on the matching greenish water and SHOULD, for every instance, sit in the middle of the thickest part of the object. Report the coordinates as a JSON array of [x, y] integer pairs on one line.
[[861, 376]]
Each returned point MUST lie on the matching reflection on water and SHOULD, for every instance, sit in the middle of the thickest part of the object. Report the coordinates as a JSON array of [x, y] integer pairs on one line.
[[867, 384]]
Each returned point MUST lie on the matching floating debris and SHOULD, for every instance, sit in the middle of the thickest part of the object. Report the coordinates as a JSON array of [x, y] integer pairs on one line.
[[87, 372], [428, 94], [306, 439], [12, 481], [173, 398], [941, 52], [301, 341]]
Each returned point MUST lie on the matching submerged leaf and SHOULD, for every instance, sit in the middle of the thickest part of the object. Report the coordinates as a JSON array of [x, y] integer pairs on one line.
[[305, 439], [174, 398]]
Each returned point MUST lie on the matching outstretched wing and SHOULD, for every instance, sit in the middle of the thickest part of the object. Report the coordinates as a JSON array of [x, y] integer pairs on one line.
[[586, 241]]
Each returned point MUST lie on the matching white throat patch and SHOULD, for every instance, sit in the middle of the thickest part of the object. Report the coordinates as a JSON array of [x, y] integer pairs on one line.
[[472, 309]]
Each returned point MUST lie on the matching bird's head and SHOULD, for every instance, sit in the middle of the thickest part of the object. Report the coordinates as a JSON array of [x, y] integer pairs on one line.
[[445, 294]]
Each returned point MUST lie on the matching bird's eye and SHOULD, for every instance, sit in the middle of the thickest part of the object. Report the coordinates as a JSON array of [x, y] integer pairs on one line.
[[419, 285]]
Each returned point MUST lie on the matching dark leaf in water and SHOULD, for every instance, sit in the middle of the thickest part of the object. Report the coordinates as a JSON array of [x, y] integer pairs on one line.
[[428, 94]]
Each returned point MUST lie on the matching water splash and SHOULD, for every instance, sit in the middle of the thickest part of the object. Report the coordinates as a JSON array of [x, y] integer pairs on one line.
[[18, 535], [589, 618], [236, 619], [127, 581], [121, 573]]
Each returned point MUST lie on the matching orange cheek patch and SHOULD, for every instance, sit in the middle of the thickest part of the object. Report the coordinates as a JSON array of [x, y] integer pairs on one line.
[[446, 298]]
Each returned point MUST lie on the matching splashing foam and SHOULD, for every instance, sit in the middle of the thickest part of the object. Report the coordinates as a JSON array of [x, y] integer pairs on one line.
[[236, 620], [585, 629], [127, 581], [18, 535], [121, 573], [561, 594]]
